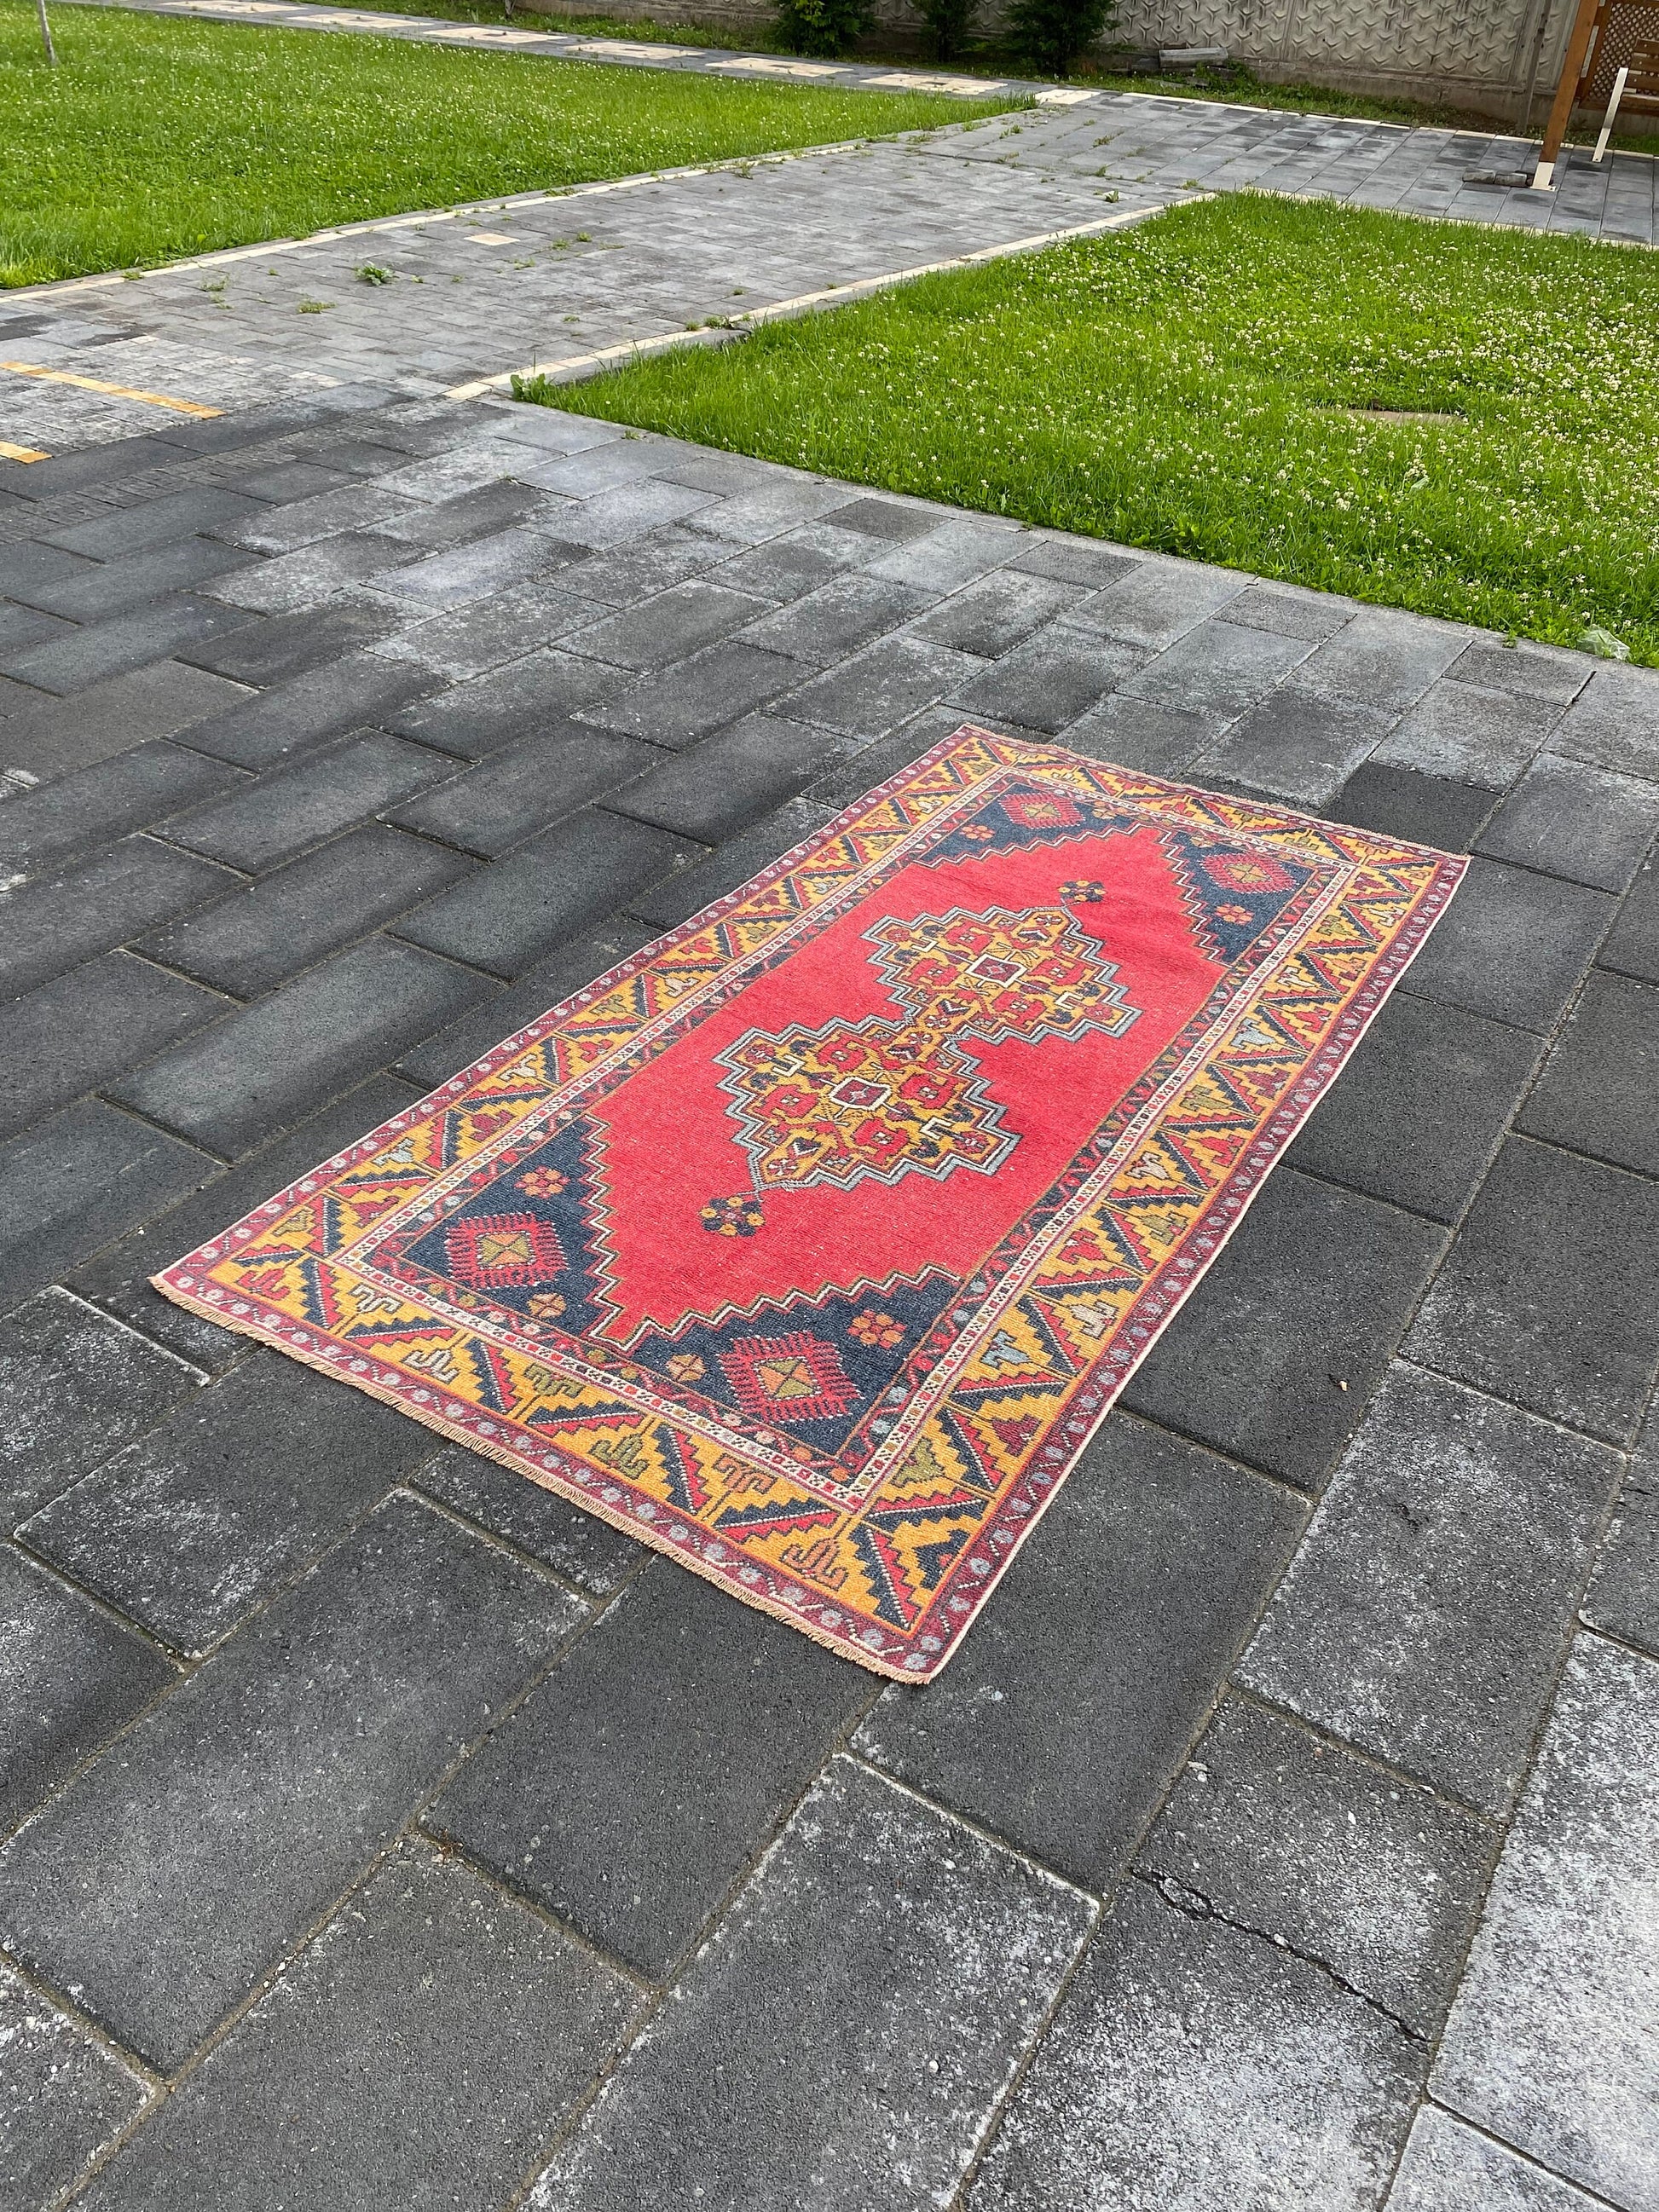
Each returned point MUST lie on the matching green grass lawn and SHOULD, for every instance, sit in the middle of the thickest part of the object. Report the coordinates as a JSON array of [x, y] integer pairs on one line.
[[1211, 385], [156, 137]]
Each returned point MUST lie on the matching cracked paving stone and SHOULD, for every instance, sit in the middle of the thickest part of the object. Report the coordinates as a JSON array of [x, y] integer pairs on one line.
[[1063, 1716], [1192, 2064], [421, 2050], [1425, 1612], [1551, 2042], [827, 2095], [1448, 2167], [629, 1790], [1308, 1844], [161, 1886], [74, 1386], [63, 2098], [227, 1499]]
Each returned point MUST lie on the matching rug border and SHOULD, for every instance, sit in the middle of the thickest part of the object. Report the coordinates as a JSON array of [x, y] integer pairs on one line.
[[1448, 875]]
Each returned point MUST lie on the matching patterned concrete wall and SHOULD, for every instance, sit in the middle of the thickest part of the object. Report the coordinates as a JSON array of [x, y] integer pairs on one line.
[[1481, 53]]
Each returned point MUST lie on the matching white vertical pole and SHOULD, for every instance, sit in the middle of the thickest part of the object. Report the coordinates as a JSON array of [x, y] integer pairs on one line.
[[1613, 110]]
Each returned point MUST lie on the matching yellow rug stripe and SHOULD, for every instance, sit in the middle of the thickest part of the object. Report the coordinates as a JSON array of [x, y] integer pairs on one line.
[[9, 452]]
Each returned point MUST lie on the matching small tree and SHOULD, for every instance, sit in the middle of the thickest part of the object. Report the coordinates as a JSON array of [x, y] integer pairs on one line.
[[949, 23], [1054, 33], [825, 28]]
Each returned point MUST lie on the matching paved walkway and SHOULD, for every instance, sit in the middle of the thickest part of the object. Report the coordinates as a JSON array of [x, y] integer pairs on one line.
[[480, 291], [377, 1831]]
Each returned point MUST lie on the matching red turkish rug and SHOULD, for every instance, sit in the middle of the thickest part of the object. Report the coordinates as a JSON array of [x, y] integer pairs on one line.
[[811, 1245]]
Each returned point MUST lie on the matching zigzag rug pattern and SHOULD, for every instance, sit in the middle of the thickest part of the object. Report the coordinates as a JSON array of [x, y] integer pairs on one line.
[[811, 1244]]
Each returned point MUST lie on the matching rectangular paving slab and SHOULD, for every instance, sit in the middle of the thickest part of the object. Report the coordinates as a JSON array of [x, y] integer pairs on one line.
[[826, 2092], [163, 1886], [64, 2096]]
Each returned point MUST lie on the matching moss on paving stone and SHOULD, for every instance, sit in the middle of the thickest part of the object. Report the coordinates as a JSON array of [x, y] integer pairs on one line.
[[1430, 416], [156, 137]]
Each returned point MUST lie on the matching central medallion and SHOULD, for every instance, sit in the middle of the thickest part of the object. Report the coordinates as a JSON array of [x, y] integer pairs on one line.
[[884, 1098]]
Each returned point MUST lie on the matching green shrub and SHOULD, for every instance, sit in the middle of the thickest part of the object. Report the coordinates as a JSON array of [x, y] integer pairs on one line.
[[1054, 33], [825, 27], [949, 23]]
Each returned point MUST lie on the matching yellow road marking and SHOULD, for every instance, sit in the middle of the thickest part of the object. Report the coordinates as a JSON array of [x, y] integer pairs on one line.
[[8, 453], [116, 391]]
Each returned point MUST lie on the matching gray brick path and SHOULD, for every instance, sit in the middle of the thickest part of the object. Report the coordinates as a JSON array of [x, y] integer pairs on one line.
[[538, 279], [377, 1830]]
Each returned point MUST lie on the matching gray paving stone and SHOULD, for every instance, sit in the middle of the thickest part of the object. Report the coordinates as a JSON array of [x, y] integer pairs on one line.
[[1385, 660], [358, 504], [782, 568], [1599, 1092], [1331, 1857], [1425, 1616], [1299, 745], [949, 557], [461, 573], [1152, 602], [235, 1492], [63, 2099], [95, 805], [72, 1678], [269, 1064], [1614, 722], [27, 562], [313, 575], [1136, 733], [1550, 2044], [579, 1546], [1571, 820], [1048, 683], [1419, 1111], [22, 626], [278, 483], [1194, 2063], [1220, 666], [318, 704], [1447, 2164], [76, 1182], [1512, 945], [575, 962], [1631, 945], [431, 2039], [786, 503], [159, 521], [870, 695], [1403, 802], [70, 664], [631, 1789], [1313, 615], [907, 1917], [677, 897], [525, 786], [57, 922], [666, 628], [1550, 1297], [998, 612], [1473, 735], [1542, 672], [284, 645], [98, 593], [280, 815], [74, 1386], [259, 937], [486, 634], [627, 574], [117, 1279], [1064, 1714], [1624, 1594], [52, 737], [627, 511], [168, 1879], [700, 695], [716, 789], [513, 913], [69, 1036], [527, 699], [1312, 1294], [1073, 561], [849, 611]]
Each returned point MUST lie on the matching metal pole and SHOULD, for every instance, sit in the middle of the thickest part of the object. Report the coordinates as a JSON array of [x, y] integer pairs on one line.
[[45, 33]]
